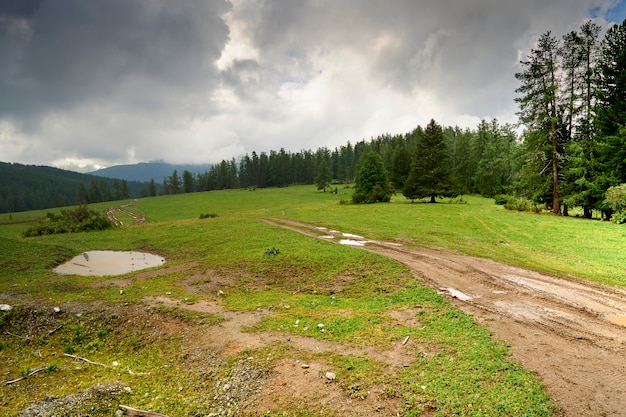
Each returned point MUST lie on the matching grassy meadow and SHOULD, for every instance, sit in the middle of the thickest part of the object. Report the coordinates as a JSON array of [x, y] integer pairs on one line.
[[353, 292]]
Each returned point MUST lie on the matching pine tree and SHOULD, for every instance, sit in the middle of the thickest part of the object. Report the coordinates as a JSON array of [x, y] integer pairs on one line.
[[492, 170], [152, 188], [323, 177], [400, 167], [463, 167], [539, 109], [581, 169], [189, 182], [611, 109], [82, 196], [430, 174], [124, 192], [372, 183]]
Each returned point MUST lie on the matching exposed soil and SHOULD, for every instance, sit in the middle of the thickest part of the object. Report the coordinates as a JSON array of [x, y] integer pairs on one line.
[[113, 211], [568, 332], [571, 333], [298, 379]]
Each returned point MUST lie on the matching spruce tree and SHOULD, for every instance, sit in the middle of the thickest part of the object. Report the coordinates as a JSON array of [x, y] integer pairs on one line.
[[540, 110], [430, 174], [581, 170], [611, 110], [323, 177], [400, 166]]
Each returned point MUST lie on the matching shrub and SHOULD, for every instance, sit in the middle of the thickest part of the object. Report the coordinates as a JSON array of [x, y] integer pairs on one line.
[[619, 218], [522, 204], [80, 219], [502, 199], [372, 184], [616, 199], [376, 194], [208, 215], [272, 251]]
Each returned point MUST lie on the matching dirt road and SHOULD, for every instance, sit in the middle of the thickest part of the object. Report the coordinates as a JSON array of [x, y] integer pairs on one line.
[[113, 211], [572, 334]]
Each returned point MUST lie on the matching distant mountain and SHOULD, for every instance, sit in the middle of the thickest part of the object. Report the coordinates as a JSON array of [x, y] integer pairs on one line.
[[145, 171], [34, 187]]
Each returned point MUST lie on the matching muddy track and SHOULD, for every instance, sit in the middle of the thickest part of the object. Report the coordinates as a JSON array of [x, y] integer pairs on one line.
[[112, 216], [571, 333]]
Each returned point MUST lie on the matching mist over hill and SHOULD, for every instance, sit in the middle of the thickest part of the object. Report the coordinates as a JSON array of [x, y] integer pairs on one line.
[[145, 171]]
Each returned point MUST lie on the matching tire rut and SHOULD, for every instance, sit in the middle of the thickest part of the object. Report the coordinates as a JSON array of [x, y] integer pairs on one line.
[[562, 329]]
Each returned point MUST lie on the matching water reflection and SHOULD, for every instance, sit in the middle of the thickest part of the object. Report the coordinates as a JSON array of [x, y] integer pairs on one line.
[[105, 262]]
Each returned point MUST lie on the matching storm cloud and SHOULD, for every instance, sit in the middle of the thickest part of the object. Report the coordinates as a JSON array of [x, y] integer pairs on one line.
[[105, 82]]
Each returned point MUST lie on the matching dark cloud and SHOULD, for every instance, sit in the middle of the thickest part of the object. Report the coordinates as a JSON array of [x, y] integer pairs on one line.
[[19, 8], [73, 52], [122, 81], [447, 46]]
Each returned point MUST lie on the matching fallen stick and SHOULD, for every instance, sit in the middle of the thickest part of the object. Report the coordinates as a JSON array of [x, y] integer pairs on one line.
[[54, 330], [133, 412], [24, 338], [31, 373], [130, 372], [406, 339], [85, 360]]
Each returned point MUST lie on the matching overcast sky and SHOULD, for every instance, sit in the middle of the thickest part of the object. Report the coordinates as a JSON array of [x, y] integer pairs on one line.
[[95, 83]]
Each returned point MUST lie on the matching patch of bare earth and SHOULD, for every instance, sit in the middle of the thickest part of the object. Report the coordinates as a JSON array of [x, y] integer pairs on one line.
[[568, 332], [112, 215], [571, 333], [296, 381]]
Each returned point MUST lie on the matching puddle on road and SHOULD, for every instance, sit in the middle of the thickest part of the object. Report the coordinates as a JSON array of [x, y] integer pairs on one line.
[[105, 262], [351, 242], [621, 320], [458, 294], [350, 235]]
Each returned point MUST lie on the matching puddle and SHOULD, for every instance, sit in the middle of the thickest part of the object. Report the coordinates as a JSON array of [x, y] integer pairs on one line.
[[621, 320], [351, 242], [458, 294], [350, 235], [106, 262]]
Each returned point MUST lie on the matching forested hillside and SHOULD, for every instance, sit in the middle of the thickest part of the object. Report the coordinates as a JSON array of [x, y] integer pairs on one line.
[[30, 187]]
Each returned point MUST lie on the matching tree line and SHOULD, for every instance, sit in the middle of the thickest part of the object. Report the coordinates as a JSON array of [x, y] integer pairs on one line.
[[572, 104], [31, 187], [481, 160]]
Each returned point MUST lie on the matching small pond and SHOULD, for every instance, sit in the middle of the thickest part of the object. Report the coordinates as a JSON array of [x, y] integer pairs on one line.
[[106, 262]]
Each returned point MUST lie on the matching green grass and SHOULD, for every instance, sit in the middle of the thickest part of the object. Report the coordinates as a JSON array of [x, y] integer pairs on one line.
[[566, 246], [309, 281]]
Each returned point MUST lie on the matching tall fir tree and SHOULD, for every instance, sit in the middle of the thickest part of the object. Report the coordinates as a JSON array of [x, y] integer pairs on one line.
[[400, 167], [610, 118], [539, 109], [430, 175], [581, 170], [323, 177]]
